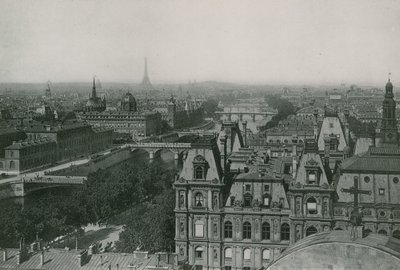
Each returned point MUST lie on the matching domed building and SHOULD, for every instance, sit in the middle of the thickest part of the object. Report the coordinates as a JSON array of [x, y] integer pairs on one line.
[[128, 103], [337, 250], [95, 103]]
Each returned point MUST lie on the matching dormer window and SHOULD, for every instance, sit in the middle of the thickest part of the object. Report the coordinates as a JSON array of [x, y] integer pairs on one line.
[[248, 198], [312, 178], [200, 167], [266, 200], [313, 172]]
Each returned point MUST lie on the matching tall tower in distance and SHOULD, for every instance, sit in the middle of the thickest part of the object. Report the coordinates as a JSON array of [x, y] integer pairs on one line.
[[146, 84], [389, 123]]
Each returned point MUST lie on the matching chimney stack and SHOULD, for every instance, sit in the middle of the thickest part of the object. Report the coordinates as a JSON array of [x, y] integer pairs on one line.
[[327, 140], [244, 124], [4, 255], [42, 257], [224, 152]]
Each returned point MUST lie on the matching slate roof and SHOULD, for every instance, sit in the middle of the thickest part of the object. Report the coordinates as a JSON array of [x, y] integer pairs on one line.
[[376, 159], [59, 259]]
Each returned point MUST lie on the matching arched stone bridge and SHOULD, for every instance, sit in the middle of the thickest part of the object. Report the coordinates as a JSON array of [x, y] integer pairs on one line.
[[154, 147], [26, 185]]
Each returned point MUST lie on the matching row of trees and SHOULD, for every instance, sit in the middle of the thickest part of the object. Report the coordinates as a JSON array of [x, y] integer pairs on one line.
[[142, 190]]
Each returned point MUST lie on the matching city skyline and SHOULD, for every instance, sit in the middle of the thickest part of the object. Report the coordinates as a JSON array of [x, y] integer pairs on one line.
[[294, 42]]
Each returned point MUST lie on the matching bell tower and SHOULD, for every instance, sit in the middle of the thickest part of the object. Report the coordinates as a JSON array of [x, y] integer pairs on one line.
[[389, 123]]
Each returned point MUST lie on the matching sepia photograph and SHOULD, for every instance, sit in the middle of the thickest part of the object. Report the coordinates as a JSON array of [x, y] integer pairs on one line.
[[199, 135]]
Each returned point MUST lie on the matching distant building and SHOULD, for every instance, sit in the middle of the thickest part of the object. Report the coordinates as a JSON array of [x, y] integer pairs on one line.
[[8, 136], [127, 120], [28, 154], [95, 103]]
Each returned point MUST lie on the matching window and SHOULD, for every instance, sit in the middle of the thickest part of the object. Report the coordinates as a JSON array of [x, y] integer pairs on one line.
[[383, 232], [247, 254], [285, 232], [311, 230], [395, 180], [312, 178], [266, 188], [247, 200], [228, 229], [265, 231], [199, 230], [199, 173], [246, 230], [199, 252], [396, 234], [246, 268], [330, 125], [332, 145], [381, 191], [366, 232], [247, 188], [228, 267], [1, 165], [366, 179], [266, 255], [199, 200], [12, 164], [228, 253], [266, 200], [312, 206]]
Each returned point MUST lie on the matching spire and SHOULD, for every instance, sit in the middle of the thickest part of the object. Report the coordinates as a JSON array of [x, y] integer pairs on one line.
[[94, 87]]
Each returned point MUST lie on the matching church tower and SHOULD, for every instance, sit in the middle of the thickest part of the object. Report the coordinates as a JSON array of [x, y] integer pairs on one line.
[[94, 88], [389, 123]]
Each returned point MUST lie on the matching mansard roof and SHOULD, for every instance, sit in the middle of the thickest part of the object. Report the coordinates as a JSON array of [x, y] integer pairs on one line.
[[376, 159]]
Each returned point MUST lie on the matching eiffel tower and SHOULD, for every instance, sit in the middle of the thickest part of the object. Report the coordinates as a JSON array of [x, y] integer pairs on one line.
[[146, 84]]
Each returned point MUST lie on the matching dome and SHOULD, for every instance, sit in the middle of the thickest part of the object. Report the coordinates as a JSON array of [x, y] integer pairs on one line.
[[128, 102]]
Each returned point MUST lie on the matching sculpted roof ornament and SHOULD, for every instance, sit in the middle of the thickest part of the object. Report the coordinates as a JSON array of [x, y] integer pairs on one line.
[[312, 162], [199, 159]]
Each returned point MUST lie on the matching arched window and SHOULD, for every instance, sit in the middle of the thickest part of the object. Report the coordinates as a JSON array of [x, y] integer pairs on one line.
[[12, 164], [266, 255], [311, 230], [285, 232], [228, 229], [312, 205], [383, 232], [265, 231], [366, 179], [247, 254], [199, 173], [396, 234], [228, 253], [247, 199], [199, 252], [246, 230], [199, 200]]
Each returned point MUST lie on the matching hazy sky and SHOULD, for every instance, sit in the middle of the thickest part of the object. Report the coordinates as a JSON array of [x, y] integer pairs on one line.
[[241, 41]]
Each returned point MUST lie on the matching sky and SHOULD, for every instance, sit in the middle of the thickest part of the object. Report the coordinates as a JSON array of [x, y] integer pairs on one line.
[[261, 42]]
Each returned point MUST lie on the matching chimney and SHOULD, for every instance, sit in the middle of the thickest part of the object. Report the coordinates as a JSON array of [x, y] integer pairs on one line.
[[244, 124], [4, 255], [346, 126], [42, 257], [224, 152], [327, 140], [371, 133], [315, 124], [19, 257], [117, 266]]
